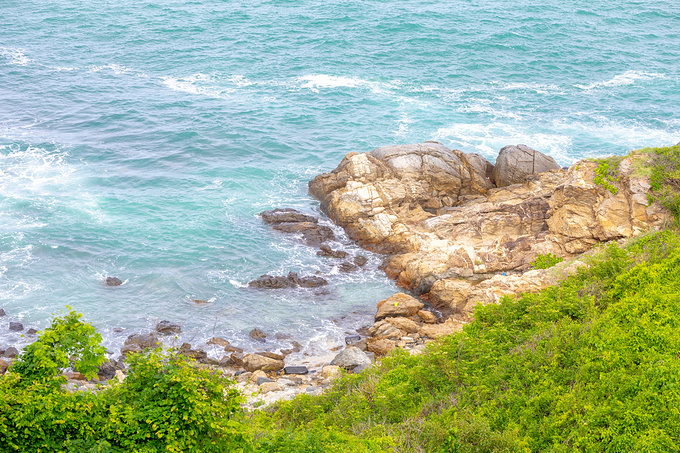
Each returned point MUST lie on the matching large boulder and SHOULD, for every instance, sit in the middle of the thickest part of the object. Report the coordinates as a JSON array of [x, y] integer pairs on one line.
[[143, 340], [516, 163], [399, 304], [351, 358]]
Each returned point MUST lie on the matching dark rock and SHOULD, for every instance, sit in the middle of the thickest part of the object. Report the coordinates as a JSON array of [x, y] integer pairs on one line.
[[10, 352], [146, 340], [297, 347], [326, 250], [199, 301], [185, 346], [348, 267], [295, 370], [257, 334], [261, 380], [4, 364], [351, 339], [283, 336], [113, 281], [225, 361], [107, 370], [232, 348], [516, 163], [360, 368], [288, 215], [313, 234], [31, 331], [291, 281], [16, 326], [168, 328], [118, 329], [2, 312], [197, 354], [360, 260]]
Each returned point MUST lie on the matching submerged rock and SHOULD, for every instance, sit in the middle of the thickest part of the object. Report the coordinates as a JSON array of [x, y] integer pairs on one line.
[[294, 222], [257, 334], [326, 250], [292, 280], [2, 312], [113, 281]]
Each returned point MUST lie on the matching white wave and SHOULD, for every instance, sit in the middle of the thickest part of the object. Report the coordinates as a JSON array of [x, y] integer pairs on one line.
[[528, 86], [15, 56], [316, 81], [627, 78], [484, 106], [32, 170], [201, 84], [488, 139], [627, 135], [65, 68], [116, 69]]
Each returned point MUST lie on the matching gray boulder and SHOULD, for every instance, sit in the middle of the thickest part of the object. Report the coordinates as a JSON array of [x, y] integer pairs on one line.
[[516, 163], [168, 328], [351, 358], [16, 326]]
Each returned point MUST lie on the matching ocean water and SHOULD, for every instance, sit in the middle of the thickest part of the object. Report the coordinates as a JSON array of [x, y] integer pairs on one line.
[[140, 139]]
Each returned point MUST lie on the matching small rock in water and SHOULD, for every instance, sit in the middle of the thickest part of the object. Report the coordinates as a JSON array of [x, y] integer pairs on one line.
[[283, 336], [292, 280], [10, 352], [31, 331], [360, 260], [348, 267], [118, 329], [113, 281], [199, 301], [2, 312], [287, 215], [16, 326], [219, 341], [326, 250], [257, 334], [168, 328], [295, 370], [351, 339]]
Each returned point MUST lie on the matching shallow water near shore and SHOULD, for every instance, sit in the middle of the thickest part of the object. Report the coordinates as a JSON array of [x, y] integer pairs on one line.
[[141, 139]]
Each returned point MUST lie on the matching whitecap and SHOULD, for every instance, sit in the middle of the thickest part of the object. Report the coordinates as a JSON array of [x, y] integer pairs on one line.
[[201, 84], [316, 81], [15, 56], [627, 78]]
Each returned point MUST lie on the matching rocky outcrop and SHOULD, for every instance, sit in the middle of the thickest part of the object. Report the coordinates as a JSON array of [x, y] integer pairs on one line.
[[292, 280], [295, 222], [516, 164], [454, 237]]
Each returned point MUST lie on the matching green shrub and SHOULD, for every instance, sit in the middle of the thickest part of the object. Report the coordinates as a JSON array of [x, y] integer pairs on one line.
[[665, 177], [545, 261], [606, 173]]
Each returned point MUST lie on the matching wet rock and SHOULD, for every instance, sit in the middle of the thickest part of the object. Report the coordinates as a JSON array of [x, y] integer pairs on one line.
[[398, 305], [294, 222], [257, 334], [515, 164], [168, 328], [144, 341], [232, 348], [351, 339], [254, 362], [292, 280], [106, 370], [10, 352], [348, 267], [129, 349], [295, 370], [199, 301], [351, 358], [327, 251], [198, 355], [31, 331], [2, 312], [360, 260], [113, 281], [288, 215], [237, 359], [219, 342], [16, 326], [4, 364]]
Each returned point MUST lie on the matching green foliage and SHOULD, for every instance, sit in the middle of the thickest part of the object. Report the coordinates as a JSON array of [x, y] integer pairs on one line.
[[545, 261], [665, 177], [68, 342], [165, 404], [606, 173], [589, 365]]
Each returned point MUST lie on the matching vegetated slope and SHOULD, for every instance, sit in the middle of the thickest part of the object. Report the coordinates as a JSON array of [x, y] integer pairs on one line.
[[590, 365]]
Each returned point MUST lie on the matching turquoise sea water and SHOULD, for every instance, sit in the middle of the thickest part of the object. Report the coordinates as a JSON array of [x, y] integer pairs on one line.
[[140, 139]]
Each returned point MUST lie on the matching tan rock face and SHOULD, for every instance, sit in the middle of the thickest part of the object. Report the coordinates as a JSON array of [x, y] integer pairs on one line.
[[439, 330], [254, 362], [444, 226], [381, 346], [398, 305]]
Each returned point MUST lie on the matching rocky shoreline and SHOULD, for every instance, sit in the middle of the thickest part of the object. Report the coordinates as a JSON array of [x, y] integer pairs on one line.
[[456, 231]]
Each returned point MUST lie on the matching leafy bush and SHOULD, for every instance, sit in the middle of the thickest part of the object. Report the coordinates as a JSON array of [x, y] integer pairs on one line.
[[665, 177], [546, 261], [606, 173]]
